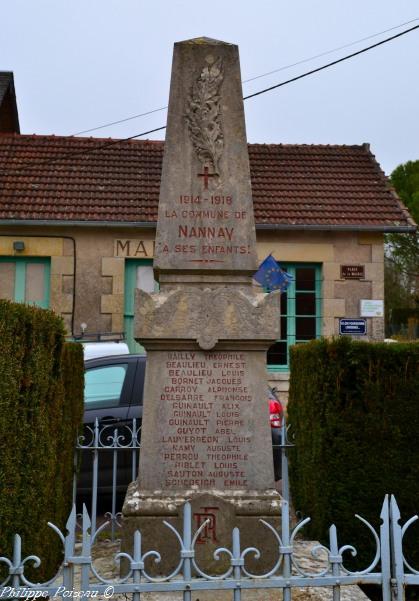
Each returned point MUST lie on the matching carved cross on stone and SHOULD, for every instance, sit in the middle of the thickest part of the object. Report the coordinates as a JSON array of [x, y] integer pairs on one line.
[[207, 175]]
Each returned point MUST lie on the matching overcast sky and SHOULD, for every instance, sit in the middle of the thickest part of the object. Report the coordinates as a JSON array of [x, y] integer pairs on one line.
[[81, 63]]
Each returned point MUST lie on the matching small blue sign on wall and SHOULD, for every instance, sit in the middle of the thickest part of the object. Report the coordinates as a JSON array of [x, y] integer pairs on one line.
[[357, 327]]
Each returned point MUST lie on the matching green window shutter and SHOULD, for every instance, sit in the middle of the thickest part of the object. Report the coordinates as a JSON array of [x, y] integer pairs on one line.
[[20, 278]]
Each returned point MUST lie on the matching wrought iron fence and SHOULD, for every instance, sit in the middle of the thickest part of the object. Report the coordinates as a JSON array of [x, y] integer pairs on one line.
[[101, 444], [79, 577], [389, 568], [100, 441]]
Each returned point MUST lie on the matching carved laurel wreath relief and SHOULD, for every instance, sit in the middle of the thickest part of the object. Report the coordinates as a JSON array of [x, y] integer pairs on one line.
[[203, 114]]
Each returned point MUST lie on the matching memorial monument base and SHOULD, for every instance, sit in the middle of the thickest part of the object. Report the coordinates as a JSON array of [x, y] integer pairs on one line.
[[147, 510], [205, 434]]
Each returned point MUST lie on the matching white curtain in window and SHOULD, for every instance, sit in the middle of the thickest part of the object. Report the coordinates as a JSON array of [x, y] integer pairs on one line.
[[145, 278]]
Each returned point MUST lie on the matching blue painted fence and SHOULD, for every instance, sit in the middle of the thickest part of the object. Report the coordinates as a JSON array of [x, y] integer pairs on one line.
[[389, 568]]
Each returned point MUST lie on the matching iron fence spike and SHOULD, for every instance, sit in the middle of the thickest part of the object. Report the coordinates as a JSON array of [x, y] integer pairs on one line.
[[86, 518], [394, 508], [71, 520], [384, 508]]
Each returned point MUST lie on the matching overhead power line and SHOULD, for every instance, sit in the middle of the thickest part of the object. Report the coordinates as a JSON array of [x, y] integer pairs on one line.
[[331, 64], [86, 131], [283, 68], [260, 92], [311, 58]]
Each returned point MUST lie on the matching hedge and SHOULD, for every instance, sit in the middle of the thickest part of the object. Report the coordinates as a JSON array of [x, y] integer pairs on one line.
[[41, 408], [354, 409]]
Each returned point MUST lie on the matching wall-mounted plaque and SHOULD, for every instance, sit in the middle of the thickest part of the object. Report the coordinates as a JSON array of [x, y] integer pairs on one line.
[[356, 327], [372, 308], [352, 272]]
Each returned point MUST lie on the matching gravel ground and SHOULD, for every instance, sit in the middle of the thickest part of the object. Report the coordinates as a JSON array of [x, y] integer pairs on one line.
[[104, 552]]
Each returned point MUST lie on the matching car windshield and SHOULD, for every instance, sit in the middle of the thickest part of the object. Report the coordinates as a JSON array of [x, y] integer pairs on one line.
[[103, 385]]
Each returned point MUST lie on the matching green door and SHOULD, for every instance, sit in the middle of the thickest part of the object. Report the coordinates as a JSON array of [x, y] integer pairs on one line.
[[138, 274]]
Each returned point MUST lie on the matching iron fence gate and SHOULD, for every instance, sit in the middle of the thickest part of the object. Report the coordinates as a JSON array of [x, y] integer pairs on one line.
[[389, 568], [78, 577], [105, 442], [101, 444]]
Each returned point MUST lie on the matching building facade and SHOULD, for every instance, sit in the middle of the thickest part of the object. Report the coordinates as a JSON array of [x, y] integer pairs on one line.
[[78, 218]]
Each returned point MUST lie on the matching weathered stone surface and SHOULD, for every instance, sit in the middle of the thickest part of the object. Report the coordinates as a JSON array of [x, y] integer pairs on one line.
[[205, 432], [206, 422], [104, 552], [353, 292], [207, 316], [205, 209], [346, 245], [224, 511]]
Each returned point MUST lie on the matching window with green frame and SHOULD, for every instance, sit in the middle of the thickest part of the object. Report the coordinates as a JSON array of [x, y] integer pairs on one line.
[[300, 313], [26, 280], [138, 274]]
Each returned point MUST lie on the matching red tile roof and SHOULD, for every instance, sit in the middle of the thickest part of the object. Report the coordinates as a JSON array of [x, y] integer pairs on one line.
[[95, 180]]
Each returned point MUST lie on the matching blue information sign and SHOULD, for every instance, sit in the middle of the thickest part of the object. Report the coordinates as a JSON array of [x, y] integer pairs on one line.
[[353, 326]]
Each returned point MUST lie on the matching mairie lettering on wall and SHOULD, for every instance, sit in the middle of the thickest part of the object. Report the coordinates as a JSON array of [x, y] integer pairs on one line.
[[134, 248]]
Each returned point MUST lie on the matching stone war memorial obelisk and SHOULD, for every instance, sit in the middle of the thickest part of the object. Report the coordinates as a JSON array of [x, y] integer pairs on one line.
[[205, 430]]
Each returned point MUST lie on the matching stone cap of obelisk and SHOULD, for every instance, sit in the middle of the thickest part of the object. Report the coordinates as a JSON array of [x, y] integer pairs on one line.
[[205, 222]]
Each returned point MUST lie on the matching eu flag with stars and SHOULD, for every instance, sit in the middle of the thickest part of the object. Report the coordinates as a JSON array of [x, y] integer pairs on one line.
[[271, 276]]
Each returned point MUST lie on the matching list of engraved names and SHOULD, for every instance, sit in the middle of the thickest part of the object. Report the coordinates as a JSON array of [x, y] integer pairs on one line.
[[206, 419]]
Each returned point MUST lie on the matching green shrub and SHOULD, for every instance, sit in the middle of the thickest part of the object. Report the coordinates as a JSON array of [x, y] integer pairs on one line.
[[41, 407], [354, 408]]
